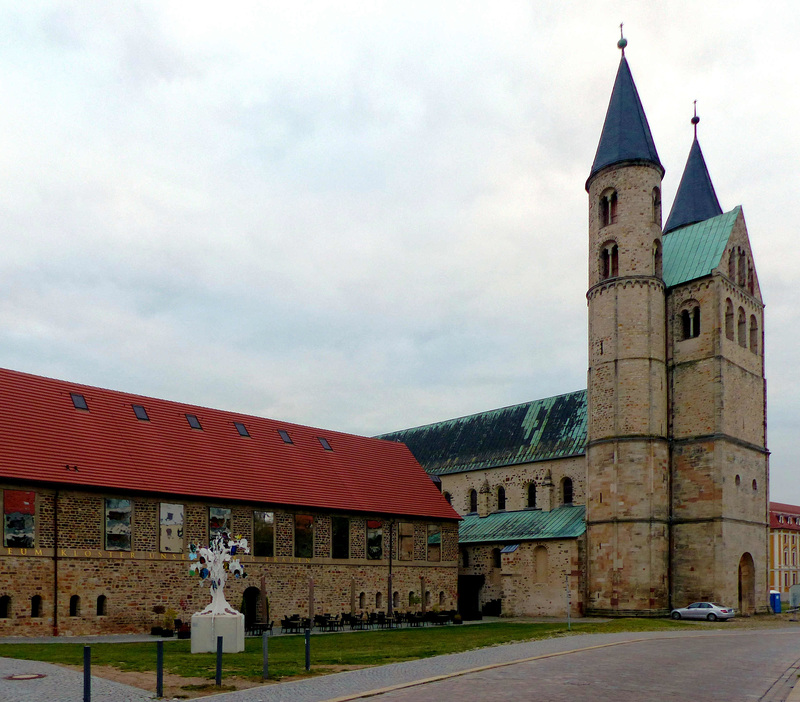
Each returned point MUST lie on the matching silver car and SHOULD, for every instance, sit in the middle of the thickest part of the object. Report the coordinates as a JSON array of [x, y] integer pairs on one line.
[[704, 610]]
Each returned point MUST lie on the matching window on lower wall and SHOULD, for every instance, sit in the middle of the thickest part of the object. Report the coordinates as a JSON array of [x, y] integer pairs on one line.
[[5, 607], [303, 536], [566, 491], [340, 537], [473, 501], [74, 606], [405, 551], [36, 606], [102, 603], [219, 522], [171, 527], [531, 495], [118, 524], [264, 534], [374, 539], [434, 542], [19, 518]]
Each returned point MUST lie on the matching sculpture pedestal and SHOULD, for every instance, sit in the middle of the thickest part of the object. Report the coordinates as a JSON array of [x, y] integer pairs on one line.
[[207, 627]]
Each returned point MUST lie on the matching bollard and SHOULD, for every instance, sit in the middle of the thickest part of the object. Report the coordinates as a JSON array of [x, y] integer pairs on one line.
[[265, 650], [308, 649], [219, 661], [159, 668], [87, 674]]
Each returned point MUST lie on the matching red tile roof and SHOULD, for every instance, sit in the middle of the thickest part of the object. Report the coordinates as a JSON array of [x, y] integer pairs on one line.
[[45, 439], [780, 509]]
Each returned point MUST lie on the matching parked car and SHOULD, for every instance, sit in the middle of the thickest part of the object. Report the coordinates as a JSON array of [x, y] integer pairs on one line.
[[704, 610]]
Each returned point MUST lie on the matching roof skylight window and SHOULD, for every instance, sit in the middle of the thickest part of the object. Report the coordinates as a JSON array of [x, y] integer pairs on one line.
[[79, 401], [194, 422], [141, 413], [324, 443], [285, 436], [241, 428]]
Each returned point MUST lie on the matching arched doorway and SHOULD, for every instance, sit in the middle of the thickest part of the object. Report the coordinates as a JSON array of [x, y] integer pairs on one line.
[[747, 585], [250, 605]]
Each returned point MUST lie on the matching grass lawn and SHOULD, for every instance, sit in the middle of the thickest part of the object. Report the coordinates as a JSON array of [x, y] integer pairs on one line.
[[287, 653]]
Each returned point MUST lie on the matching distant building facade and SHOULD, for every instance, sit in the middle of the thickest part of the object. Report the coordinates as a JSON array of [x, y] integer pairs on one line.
[[784, 547]]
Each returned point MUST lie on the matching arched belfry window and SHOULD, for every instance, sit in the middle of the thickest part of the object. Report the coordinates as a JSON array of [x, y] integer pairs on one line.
[[740, 268], [473, 501], [729, 319], [501, 498], [690, 322], [656, 206], [741, 336], [608, 208], [609, 260], [732, 265], [657, 258], [753, 334], [751, 284]]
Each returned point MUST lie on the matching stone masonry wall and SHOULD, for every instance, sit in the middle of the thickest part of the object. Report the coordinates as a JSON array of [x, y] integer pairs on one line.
[[133, 582], [515, 480]]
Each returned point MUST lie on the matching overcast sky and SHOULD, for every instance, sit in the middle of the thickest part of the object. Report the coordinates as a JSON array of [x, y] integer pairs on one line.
[[364, 216]]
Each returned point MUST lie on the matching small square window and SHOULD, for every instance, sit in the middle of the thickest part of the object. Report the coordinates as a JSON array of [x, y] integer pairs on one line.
[[194, 422], [141, 413], [241, 428], [79, 401], [285, 436], [325, 443]]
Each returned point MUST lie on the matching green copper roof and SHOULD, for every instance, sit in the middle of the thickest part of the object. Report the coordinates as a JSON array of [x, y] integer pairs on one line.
[[499, 527], [554, 427], [694, 251]]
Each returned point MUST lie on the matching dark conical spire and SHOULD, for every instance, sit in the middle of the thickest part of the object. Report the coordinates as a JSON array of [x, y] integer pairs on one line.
[[626, 134], [696, 200]]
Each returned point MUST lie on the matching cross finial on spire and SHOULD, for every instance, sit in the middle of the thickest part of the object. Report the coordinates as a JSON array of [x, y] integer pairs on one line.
[[695, 119], [623, 42]]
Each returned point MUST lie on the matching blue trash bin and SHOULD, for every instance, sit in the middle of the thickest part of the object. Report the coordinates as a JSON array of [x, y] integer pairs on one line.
[[775, 601]]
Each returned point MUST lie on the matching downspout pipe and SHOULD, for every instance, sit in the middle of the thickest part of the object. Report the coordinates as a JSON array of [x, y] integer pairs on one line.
[[55, 563]]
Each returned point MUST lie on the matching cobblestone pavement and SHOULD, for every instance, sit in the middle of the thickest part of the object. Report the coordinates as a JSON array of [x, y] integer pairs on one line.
[[59, 685], [763, 656], [694, 665]]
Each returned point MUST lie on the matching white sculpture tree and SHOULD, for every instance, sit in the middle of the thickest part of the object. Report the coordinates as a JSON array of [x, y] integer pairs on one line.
[[214, 564]]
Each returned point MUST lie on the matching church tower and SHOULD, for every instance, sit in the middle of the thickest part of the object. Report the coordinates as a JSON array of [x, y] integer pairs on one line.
[[717, 428], [627, 450]]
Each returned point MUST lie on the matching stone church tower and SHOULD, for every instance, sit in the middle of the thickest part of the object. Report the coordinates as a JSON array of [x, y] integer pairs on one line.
[[676, 455]]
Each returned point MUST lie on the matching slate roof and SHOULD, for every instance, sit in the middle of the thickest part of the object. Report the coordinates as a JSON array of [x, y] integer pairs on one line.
[[525, 525], [696, 199], [695, 250], [44, 439], [554, 427], [626, 134]]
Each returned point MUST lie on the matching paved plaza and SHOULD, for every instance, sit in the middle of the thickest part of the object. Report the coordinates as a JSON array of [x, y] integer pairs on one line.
[[718, 664]]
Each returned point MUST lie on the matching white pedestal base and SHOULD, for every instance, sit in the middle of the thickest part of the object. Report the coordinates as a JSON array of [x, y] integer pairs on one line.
[[206, 628]]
